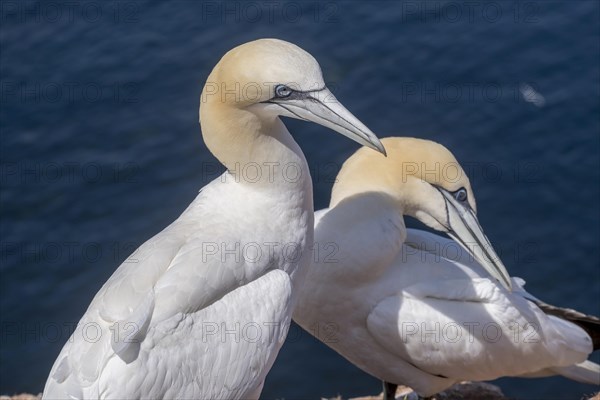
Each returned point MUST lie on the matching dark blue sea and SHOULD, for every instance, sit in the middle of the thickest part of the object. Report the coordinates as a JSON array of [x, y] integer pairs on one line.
[[101, 147]]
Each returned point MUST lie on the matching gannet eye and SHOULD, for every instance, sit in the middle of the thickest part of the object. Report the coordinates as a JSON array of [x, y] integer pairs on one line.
[[460, 195], [282, 91]]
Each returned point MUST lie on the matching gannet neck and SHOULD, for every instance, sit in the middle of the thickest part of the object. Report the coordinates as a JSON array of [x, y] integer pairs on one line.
[[255, 148], [345, 225]]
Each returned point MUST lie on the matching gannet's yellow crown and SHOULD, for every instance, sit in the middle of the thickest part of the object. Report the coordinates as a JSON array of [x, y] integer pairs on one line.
[[256, 83], [251, 70], [408, 160]]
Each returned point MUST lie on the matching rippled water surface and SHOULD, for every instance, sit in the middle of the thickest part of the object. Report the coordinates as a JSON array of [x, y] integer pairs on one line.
[[101, 148]]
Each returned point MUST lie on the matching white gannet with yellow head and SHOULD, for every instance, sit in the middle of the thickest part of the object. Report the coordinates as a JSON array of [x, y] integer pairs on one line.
[[201, 310], [410, 307]]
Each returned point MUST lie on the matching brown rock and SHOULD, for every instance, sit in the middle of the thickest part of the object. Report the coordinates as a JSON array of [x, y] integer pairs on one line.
[[460, 391]]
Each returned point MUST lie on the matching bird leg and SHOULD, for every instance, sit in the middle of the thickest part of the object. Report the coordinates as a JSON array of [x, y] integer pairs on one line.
[[389, 390]]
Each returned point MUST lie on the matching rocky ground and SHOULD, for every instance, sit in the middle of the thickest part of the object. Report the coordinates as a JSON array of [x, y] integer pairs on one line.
[[462, 391]]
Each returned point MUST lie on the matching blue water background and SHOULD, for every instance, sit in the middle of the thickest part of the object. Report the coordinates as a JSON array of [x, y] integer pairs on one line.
[[101, 148]]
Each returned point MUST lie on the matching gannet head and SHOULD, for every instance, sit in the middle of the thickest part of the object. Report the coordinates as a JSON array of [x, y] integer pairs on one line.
[[426, 182], [273, 78]]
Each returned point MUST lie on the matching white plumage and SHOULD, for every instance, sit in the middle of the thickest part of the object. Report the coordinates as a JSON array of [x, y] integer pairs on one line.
[[411, 307], [164, 313], [201, 309]]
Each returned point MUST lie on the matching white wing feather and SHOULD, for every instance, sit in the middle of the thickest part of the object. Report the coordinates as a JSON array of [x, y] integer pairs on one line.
[[449, 314], [141, 321]]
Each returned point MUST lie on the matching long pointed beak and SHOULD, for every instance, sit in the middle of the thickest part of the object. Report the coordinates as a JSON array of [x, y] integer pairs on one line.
[[323, 108], [466, 231]]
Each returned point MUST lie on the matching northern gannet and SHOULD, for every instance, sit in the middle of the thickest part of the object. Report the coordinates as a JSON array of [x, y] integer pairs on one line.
[[201, 310], [410, 307]]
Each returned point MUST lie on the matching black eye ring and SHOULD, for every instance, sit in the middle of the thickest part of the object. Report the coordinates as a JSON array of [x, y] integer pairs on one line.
[[461, 195], [282, 91]]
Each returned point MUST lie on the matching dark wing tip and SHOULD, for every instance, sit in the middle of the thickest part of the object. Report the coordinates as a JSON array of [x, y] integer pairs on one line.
[[589, 323]]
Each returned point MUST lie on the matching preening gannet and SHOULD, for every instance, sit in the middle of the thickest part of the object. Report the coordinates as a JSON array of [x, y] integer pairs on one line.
[[410, 307], [201, 310]]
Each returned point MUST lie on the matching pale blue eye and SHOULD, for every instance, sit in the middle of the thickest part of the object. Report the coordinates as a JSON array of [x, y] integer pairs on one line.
[[461, 195], [282, 91]]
